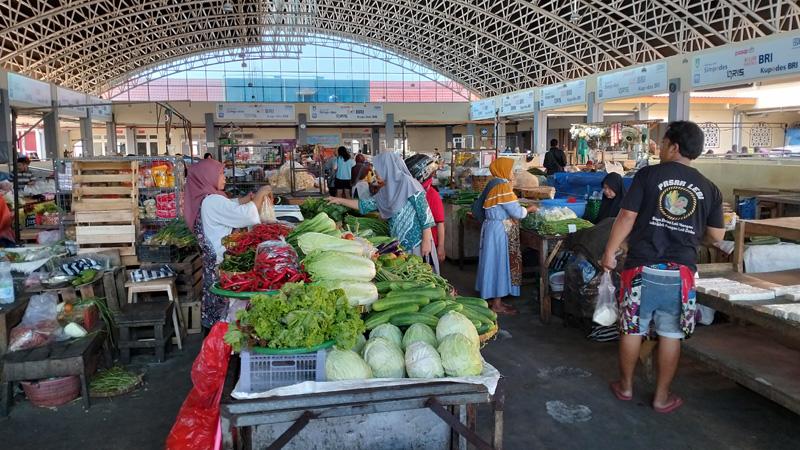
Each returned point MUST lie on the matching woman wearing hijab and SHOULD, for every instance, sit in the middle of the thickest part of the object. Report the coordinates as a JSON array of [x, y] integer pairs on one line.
[[212, 216], [613, 192], [401, 200], [500, 257]]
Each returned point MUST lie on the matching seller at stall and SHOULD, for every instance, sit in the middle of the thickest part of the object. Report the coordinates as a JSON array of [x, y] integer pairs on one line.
[[24, 174], [361, 190], [400, 200], [212, 216], [422, 168], [613, 193], [500, 257]]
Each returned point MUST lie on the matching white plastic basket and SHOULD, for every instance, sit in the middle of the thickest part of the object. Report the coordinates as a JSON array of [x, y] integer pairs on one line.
[[261, 372]]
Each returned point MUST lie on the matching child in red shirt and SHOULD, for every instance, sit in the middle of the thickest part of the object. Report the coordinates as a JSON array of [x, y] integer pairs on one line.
[[423, 167]]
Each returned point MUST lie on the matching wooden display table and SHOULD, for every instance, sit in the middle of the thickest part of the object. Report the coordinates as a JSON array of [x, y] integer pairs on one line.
[[548, 248], [779, 200], [783, 227]]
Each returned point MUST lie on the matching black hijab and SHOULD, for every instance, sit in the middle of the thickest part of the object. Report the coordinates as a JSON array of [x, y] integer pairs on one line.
[[609, 207]]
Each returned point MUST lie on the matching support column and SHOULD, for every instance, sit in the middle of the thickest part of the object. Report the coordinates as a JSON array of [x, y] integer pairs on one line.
[[472, 133], [594, 110], [389, 131], [111, 138], [448, 137], [51, 141], [499, 136], [130, 141], [376, 140], [302, 129], [643, 112], [87, 139], [211, 134], [539, 131], [678, 101], [6, 134]]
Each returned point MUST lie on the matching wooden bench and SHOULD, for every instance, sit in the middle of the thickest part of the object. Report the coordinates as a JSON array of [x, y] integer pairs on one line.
[[59, 359]]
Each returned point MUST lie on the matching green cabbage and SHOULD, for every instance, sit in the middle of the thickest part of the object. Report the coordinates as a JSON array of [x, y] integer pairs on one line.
[[360, 342], [388, 331], [422, 361], [385, 358], [330, 265], [346, 365], [419, 332], [310, 242], [357, 292], [455, 322], [459, 357]]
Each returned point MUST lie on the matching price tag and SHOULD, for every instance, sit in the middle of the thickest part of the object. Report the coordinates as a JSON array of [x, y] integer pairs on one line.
[[572, 228]]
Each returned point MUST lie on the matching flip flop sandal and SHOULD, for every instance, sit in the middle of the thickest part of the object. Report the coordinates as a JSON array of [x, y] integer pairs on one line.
[[676, 403], [617, 390]]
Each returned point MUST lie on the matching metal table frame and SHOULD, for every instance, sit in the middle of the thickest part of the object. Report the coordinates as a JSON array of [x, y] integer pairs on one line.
[[454, 403]]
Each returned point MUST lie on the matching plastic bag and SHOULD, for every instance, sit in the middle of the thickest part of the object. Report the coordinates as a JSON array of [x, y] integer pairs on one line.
[[197, 424], [267, 213], [39, 325], [606, 311]]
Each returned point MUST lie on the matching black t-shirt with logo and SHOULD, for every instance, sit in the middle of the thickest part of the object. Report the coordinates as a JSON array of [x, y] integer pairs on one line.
[[675, 204]]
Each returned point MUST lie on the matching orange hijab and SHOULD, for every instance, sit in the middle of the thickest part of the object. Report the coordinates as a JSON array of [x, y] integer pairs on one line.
[[503, 192]]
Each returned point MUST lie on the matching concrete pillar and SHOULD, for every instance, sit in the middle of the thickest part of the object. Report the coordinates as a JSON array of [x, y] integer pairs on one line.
[[130, 141], [376, 140], [87, 140], [111, 138], [302, 129], [594, 109], [389, 131], [6, 133], [678, 101], [448, 137], [51, 134], [211, 134], [472, 132], [643, 112], [499, 136], [539, 131]]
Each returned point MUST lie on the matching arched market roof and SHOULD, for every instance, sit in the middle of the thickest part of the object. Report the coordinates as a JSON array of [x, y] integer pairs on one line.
[[489, 46]]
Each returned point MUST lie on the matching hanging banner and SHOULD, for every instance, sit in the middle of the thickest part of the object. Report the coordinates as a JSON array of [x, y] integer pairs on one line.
[[517, 103], [482, 109], [255, 112], [342, 112], [643, 80], [67, 98], [565, 94], [326, 140], [24, 91], [747, 62], [101, 112]]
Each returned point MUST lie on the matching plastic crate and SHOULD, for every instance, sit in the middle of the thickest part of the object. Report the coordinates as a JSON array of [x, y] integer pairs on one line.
[[162, 253], [261, 373]]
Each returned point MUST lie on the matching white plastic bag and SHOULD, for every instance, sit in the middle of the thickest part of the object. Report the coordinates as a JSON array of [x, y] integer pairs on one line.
[[267, 213], [606, 311]]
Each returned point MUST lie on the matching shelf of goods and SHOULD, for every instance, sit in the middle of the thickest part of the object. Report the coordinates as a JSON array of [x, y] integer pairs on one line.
[[761, 348], [161, 181], [249, 165], [105, 204]]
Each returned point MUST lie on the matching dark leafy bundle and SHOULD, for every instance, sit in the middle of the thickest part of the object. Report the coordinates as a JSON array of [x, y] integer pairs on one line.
[[300, 316], [175, 233], [379, 227], [565, 226], [242, 262], [313, 206]]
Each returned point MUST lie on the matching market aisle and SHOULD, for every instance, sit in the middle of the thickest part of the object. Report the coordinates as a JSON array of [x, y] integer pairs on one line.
[[551, 363], [140, 420]]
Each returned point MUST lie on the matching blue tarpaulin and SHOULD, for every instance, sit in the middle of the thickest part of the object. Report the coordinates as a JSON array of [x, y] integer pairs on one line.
[[579, 184]]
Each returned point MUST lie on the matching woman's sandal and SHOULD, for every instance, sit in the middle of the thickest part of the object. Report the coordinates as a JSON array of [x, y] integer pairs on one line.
[[674, 402], [616, 388]]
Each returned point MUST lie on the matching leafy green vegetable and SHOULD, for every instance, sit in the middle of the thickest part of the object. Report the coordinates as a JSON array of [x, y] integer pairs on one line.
[[311, 241], [357, 293], [339, 266], [456, 323], [379, 227], [175, 233], [389, 332], [346, 365], [419, 332], [299, 316], [321, 223], [384, 358], [423, 361], [313, 206], [459, 357]]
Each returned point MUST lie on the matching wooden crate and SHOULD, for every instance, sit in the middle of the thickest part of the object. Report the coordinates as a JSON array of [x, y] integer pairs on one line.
[[191, 315], [105, 185], [189, 280]]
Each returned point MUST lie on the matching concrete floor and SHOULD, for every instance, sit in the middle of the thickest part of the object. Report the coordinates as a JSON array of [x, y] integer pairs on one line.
[[543, 365]]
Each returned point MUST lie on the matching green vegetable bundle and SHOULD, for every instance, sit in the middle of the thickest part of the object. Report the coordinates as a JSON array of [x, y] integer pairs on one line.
[[175, 233], [563, 226], [410, 268], [466, 198], [332, 265], [320, 223], [379, 227], [299, 316], [313, 206]]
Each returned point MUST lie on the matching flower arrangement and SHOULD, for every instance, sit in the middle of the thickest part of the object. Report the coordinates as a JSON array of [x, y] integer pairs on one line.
[[589, 132]]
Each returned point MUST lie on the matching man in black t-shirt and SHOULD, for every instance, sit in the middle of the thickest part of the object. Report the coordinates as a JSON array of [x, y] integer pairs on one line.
[[554, 160], [669, 210]]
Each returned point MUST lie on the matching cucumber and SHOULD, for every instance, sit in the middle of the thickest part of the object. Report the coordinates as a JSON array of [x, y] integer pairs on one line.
[[434, 308], [450, 307], [472, 301], [383, 286], [485, 327], [473, 315], [486, 314], [403, 320], [425, 292], [405, 285], [379, 318], [392, 302], [477, 323]]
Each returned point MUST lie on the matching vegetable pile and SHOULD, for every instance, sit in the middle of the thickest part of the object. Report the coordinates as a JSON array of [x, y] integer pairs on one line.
[[274, 265], [313, 206], [175, 233], [320, 223], [367, 226], [299, 316], [242, 241], [392, 267]]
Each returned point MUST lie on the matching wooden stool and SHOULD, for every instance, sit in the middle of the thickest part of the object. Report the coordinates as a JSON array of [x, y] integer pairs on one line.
[[59, 359], [138, 321], [162, 285]]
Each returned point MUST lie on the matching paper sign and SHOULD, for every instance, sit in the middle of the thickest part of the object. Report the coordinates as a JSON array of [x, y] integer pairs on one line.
[[572, 228]]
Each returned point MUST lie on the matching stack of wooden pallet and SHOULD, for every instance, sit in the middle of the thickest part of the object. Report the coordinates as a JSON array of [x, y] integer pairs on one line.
[[105, 201], [189, 283]]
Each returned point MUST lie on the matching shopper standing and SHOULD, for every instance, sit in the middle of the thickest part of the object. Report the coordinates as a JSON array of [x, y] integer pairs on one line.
[[500, 257], [554, 160], [422, 168], [401, 201], [344, 167], [212, 216], [668, 211]]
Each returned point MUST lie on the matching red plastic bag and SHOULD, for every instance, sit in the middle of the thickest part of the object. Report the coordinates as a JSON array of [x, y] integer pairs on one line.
[[198, 420]]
